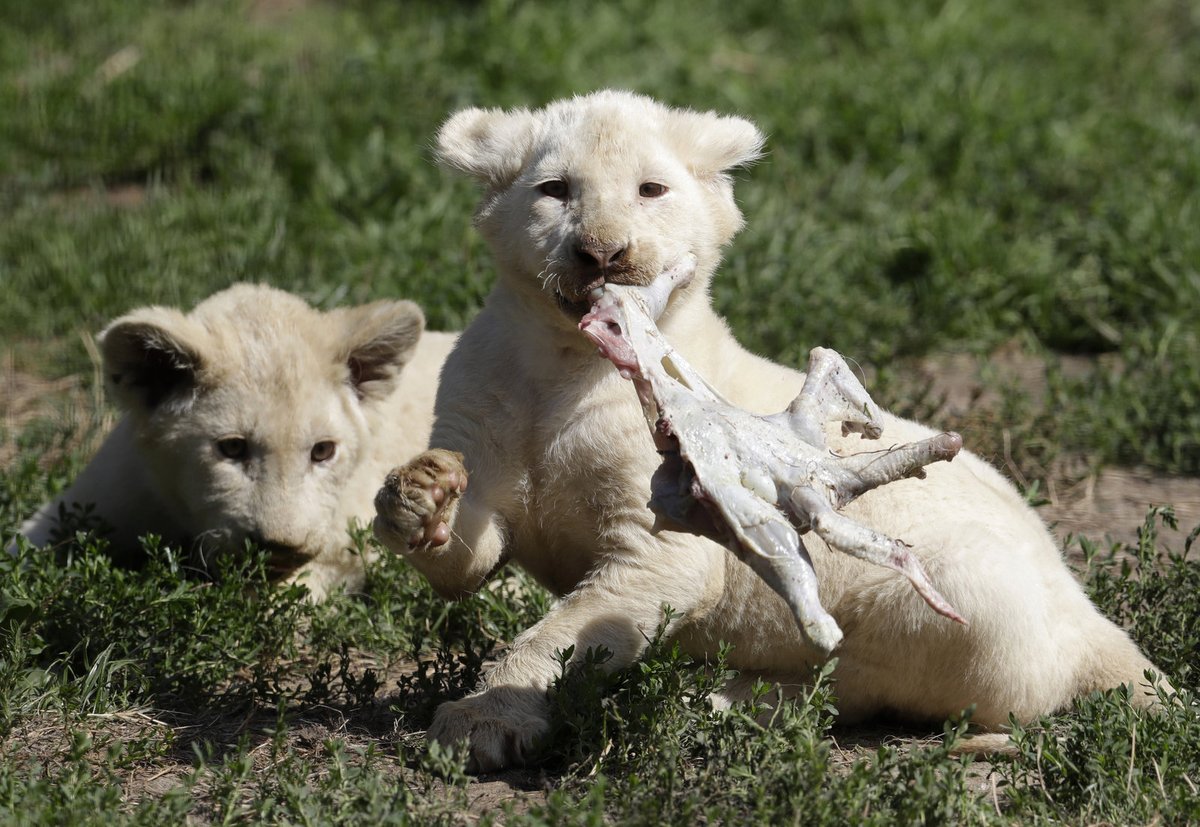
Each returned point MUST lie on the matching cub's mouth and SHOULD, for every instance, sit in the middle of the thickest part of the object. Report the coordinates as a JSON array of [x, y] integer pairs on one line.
[[575, 303], [575, 309], [576, 292], [283, 561]]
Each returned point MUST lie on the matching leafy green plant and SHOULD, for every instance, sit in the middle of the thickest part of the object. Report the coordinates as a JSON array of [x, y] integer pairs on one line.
[[646, 746], [1104, 761], [1146, 587]]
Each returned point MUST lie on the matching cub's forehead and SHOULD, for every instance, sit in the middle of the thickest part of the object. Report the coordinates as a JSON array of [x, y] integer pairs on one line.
[[274, 357], [277, 395], [600, 136], [603, 109]]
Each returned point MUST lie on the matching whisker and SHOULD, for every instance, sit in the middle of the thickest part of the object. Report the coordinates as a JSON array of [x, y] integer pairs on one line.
[[550, 277]]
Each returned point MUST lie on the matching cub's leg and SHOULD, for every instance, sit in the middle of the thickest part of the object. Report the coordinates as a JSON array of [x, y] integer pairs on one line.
[[428, 513], [618, 608]]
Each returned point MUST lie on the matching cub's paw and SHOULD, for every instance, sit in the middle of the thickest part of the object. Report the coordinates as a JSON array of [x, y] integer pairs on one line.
[[414, 507], [502, 726]]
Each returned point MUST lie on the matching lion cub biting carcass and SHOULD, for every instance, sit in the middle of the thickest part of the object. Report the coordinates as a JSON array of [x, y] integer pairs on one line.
[[256, 417], [616, 187]]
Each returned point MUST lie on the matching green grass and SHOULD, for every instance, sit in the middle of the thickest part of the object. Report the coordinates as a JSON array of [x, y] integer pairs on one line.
[[940, 176], [244, 673]]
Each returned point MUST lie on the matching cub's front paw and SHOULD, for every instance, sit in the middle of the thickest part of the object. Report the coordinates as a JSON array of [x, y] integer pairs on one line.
[[414, 507], [501, 726]]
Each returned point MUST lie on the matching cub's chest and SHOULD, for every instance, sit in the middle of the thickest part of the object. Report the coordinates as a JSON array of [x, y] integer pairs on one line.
[[593, 452]]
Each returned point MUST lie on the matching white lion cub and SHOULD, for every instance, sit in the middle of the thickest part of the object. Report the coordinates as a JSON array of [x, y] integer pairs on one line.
[[615, 187], [256, 417]]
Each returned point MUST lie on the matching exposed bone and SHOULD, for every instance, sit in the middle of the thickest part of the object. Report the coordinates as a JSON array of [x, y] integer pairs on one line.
[[756, 483]]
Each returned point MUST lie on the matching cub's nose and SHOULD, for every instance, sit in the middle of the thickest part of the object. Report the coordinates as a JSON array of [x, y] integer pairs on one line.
[[599, 255]]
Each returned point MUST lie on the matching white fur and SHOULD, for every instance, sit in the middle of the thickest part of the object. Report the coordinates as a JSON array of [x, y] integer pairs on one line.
[[560, 460], [259, 363]]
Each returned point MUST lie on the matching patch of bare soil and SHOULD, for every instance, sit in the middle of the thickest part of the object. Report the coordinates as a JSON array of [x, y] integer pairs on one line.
[[150, 752], [73, 401], [1113, 505], [860, 743], [1110, 504], [24, 396], [140, 740]]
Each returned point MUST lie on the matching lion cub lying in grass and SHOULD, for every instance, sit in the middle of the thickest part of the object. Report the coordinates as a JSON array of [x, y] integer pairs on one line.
[[614, 187], [256, 417]]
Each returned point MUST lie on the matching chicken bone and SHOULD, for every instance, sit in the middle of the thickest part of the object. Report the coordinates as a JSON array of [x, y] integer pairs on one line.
[[756, 483]]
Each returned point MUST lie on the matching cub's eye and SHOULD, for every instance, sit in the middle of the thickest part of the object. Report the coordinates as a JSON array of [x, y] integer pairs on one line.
[[323, 451], [554, 188], [651, 189], [233, 447]]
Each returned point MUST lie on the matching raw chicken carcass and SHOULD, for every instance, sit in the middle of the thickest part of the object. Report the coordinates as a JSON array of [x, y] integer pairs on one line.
[[755, 483]]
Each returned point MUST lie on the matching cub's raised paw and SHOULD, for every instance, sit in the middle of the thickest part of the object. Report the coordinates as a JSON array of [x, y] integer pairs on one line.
[[414, 507], [502, 726]]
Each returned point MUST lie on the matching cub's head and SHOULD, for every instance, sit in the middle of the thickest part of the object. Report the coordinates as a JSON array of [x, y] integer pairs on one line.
[[253, 412], [610, 187]]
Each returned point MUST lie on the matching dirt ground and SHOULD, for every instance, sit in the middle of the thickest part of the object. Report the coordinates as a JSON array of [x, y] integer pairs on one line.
[[1112, 503]]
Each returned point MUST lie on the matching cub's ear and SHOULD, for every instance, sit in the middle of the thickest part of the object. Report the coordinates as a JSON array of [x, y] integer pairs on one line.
[[377, 341], [491, 145], [712, 144], [151, 356]]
